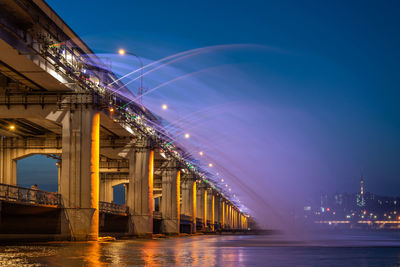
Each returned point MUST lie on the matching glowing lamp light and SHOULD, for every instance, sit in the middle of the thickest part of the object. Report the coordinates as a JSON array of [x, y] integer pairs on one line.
[[12, 127], [187, 136], [222, 180], [164, 107], [111, 109], [210, 165], [121, 52], [201, 153]]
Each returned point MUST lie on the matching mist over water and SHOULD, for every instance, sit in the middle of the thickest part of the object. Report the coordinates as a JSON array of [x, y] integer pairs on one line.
[[262, 150]]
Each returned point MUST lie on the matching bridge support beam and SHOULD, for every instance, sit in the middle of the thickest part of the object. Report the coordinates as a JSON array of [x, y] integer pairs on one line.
[[140, 191], [170, 207], [229, 216], [223, 214], [8, 164], [217, 212], [210, 208], [189, 200], [201, 205], [106, 190], [79, 183]]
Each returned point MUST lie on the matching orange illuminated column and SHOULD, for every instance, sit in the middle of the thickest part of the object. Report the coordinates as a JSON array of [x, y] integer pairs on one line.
[[233, 218], [79, 181], [223, 214], [230, 215], [228, 223], [194, 206], [213, 212], [140, 189], [205, 209]]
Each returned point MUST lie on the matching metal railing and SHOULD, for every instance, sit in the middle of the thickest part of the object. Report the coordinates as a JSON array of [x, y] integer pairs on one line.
[[112, 208], [24, 195], [185, 217], [157, 215]]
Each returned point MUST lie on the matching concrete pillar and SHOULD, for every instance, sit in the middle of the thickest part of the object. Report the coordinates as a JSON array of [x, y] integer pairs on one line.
[[189, 199], [8, 163], [230, 217], [210, 208], [140, 190], [201, 204], [205, 199], [226, 215], [59, 169], [106, 189], [236, 219], [170, 207], [194, 206], [233, 218], [79, 183], [186, 196], [217, 208], [223, 216]]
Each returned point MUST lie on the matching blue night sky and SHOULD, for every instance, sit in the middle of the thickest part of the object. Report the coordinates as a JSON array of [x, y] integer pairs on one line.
[[307, 100]]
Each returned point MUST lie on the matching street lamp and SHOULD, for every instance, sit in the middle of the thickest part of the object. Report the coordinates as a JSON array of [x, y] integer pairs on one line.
[[121, 52], [187, 136], [164, 107], [140, 89]]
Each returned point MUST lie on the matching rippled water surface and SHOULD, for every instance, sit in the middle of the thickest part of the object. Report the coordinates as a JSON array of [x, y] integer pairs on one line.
[[328, 249]]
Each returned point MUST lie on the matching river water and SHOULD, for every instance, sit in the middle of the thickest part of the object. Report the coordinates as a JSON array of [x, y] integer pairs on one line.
[[381, 248]]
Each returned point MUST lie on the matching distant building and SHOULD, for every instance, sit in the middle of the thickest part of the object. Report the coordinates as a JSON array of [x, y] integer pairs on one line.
[[353, 207]]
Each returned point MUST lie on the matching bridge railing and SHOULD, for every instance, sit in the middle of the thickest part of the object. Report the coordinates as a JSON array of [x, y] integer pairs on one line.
[[185, 217], [112, 208], [157, 215], [14, 193]]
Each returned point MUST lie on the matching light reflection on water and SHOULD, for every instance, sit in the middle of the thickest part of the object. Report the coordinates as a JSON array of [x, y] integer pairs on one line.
[[325, 250]]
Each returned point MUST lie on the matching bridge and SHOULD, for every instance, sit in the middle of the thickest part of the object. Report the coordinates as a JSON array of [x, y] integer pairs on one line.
[[56, 100]]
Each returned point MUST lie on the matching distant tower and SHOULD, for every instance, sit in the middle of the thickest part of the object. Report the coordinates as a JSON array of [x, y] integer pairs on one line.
[[362, 185], [360, 197]]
